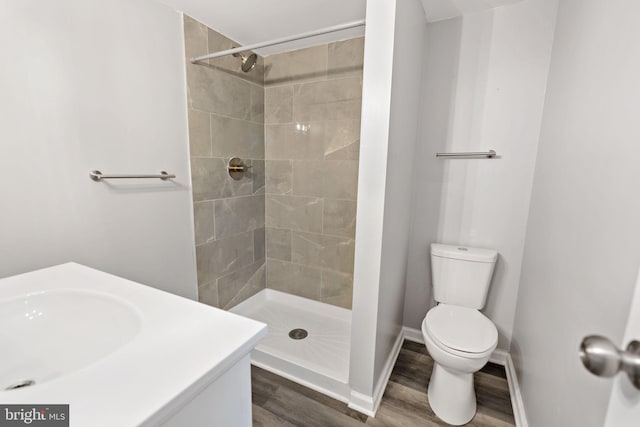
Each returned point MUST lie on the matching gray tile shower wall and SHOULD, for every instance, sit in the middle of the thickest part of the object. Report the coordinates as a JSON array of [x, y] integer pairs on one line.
[[295, 118], [226, 119], [312, 129]]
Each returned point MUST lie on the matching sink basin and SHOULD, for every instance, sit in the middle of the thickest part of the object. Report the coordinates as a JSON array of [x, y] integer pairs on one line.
[[52, 333], [96, 342]]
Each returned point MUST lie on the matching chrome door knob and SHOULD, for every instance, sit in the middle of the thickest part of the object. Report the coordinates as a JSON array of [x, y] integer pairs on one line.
[[602, 358]]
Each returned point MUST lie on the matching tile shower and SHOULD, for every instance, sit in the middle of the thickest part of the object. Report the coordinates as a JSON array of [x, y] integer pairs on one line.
[[226, 119], [312, 129], [289, 224], [278, 244]]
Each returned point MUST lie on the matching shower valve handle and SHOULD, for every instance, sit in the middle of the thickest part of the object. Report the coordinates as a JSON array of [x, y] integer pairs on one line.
[[237, 168]]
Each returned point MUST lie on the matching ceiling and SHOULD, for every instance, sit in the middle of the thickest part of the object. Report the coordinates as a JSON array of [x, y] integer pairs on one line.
[[253, 21]]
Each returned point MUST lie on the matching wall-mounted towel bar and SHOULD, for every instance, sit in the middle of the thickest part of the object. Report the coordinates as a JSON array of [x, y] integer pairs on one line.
[[488, 154], [99, 176]]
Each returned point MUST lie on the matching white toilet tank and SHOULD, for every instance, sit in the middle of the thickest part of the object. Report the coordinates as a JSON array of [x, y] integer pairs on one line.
[[461, 275]]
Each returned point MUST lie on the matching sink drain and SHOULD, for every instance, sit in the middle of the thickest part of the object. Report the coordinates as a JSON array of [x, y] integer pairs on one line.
[[21, 384], [298, 334]]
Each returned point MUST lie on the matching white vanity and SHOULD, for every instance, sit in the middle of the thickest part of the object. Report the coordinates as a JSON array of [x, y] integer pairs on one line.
[[121, 353]]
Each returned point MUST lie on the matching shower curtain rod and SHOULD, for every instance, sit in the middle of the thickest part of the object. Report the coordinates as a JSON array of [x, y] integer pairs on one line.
[[281, 40]]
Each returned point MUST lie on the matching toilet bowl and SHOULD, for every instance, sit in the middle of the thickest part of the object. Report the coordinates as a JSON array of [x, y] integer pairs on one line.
[[458, 337], [460, 340]]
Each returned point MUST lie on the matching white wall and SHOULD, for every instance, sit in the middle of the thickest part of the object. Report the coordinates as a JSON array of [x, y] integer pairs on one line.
[[409, 48], [583, 241], [394, 44], [374, 137], [439, 10], [496, 103], [94, 85], [440, 71]]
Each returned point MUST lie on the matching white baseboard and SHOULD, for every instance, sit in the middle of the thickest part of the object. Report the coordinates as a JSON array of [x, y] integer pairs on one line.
[[516, 395], [378, 391], [499, 357], [368, 405], [362, 403], [412, 334]]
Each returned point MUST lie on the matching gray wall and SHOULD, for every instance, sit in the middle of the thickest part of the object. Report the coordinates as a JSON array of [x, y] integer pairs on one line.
[[94, 85], [226, 119], [312, 137], [499, 63], [395, 41], [583, 248], [438, 92], [408, 49]]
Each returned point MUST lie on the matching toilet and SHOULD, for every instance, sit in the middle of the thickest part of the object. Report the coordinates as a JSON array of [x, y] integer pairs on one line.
[[459, 338]]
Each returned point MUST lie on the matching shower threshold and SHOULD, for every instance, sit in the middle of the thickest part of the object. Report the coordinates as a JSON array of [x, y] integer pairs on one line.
[[307, 342]]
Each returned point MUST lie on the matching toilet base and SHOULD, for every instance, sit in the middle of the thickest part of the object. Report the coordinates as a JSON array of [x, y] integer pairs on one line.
[[452, 396]]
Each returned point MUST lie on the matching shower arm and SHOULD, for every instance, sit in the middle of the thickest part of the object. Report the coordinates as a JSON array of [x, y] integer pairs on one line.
[[281, 40]]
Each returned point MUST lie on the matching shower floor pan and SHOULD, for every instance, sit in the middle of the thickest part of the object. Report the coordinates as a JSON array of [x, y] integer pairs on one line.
[[319, 360]]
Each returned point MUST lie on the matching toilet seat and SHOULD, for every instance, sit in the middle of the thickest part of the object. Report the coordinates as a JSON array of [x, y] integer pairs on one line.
[[460, 330]]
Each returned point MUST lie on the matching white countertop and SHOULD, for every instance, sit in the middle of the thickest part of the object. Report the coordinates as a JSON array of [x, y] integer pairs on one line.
[[181, 348]]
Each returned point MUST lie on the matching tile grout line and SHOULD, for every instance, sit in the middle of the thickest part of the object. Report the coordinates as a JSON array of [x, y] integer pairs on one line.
[[311, 266]]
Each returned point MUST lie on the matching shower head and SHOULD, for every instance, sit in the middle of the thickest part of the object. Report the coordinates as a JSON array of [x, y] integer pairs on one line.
[[248, 62]]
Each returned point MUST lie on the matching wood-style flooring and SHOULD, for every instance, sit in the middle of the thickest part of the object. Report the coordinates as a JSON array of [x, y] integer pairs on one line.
[[280, 402]]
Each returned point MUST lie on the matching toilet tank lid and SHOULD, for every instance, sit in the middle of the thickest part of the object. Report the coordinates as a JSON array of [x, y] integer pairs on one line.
[[464, 253]]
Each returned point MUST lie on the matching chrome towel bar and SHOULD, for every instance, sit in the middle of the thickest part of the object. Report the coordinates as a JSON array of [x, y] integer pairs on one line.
[[99, 176], [488, 154]]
